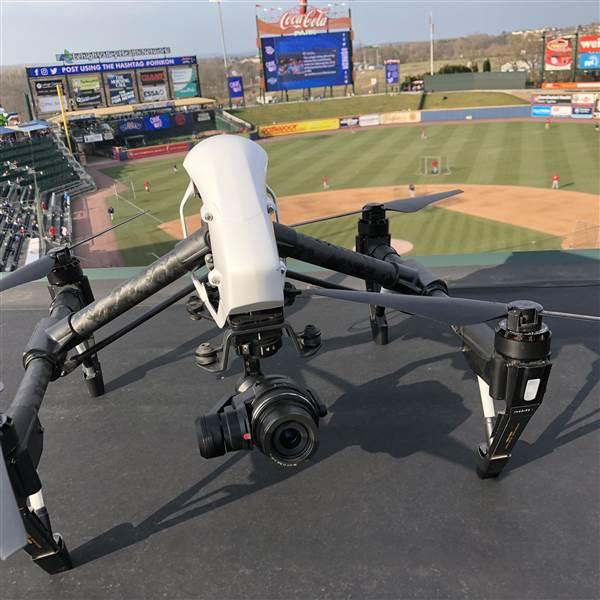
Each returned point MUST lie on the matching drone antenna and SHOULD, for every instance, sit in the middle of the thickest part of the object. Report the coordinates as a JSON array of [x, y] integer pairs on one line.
[[89, 239]]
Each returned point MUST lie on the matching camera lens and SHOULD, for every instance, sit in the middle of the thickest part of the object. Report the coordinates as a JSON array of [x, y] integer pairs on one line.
[[285, 423], [221, 432], [288, 438], [210, 436]]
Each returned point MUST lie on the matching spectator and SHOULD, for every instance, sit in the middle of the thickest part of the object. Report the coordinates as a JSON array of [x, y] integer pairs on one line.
[[52, 232], [64, 233]]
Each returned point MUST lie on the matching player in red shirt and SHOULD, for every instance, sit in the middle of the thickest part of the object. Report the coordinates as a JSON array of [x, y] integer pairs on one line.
[[146, 186], [325, 182], [555, 181], [547, 123]]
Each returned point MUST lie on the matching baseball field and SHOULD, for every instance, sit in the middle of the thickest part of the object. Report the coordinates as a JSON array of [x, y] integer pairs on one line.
[[505, 168]]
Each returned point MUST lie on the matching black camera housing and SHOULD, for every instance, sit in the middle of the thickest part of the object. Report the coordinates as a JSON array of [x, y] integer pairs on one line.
[[273, 413]]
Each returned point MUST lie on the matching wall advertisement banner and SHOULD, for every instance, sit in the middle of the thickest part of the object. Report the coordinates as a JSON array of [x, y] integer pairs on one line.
[[540, 110], [181, 119], [346, 122], [184, 82], [157, 122], [236, 87], [131, 126], [49, 104], [392, 72], [86, 90], [558, 55], [121, 89], [584, 98], [560, 110], [48, 87], [588, 52], [92, 137], [149, 63], [551, 99], [405, 116], [368, 120], [152, 93], [583, 111], [299, 127]]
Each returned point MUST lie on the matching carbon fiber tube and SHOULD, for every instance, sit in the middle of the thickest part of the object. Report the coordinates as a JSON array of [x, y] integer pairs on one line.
[[292, 244], [187, 256]]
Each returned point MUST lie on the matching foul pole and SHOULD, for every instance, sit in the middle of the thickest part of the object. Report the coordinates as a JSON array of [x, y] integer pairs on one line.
[[64, 117]]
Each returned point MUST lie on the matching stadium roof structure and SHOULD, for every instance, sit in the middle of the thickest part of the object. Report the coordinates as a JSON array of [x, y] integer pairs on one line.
[[114, 111], [35, 125]]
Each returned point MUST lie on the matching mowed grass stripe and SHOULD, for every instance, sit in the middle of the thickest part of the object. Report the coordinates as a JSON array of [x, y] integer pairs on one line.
[[579, 158], [357, 165], [556, 157], [482, 149], [508, 159], [534, 169]]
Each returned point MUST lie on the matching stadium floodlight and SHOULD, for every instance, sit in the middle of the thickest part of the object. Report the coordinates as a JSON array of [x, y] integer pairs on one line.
[[245, 290]]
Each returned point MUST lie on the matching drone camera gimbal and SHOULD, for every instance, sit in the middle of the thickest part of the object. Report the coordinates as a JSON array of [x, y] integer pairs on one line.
[[244, 292]]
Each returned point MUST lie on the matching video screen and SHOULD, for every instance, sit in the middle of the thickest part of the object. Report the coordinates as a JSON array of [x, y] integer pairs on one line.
[[307, 61]]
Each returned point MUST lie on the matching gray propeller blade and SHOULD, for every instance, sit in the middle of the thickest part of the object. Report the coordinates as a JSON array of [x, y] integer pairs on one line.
[[12, 531], [414, 204], [405, 205], [444, 309], [32, 272]]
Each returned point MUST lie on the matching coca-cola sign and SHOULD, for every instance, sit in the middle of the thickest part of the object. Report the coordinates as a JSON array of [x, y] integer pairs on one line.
[[315, 18], [293, 22]]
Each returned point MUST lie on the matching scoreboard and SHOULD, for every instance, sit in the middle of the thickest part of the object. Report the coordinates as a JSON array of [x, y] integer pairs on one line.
[[307, 61]]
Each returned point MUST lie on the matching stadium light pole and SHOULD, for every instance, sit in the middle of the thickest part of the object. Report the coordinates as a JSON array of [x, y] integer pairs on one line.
[[218, 3], [431, 43]]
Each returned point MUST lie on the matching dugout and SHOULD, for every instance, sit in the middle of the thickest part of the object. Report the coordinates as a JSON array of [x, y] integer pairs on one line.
[[454, 82]]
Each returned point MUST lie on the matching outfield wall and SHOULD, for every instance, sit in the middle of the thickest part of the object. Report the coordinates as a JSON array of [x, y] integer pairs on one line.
[[460, 114], [394, 118]]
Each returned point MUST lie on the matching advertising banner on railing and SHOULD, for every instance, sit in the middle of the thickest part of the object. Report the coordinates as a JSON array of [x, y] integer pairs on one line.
[[121, 89], [298, 127], [157, 122], [588, 52], [130, 126], [558, 55]]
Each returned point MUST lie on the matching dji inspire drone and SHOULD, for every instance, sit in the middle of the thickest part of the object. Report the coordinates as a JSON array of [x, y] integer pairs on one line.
[[241, 282]]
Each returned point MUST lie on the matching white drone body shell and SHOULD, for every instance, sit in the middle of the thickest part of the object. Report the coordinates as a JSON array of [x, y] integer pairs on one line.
[[229, 173]]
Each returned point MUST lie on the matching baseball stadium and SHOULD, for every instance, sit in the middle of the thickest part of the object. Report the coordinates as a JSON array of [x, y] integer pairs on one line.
[[460, 174]]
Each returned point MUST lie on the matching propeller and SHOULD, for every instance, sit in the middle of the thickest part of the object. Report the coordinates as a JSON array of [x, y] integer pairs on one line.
[[404, 205], [13, 536], [443, 309], [31, 272], [40, 268]]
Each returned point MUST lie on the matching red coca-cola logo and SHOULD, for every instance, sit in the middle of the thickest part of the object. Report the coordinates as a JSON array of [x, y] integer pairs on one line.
[[314, 18]]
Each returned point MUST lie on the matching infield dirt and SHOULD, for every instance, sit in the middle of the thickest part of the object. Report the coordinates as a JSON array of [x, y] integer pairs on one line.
[[574, 216]]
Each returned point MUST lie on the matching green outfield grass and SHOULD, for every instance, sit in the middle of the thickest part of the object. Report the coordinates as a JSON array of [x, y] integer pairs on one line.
[[470, 99], [340, 107], [511, 153]]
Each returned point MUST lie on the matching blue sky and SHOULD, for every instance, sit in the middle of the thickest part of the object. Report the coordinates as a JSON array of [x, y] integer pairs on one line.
[[33, 32]]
